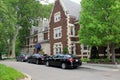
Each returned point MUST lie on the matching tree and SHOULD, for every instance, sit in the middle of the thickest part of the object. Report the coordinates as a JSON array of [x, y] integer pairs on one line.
[[29, 12], [16, 18], [100, 26], [6, 25]]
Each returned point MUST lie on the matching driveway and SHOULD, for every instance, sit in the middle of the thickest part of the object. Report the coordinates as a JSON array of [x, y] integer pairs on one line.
[[85, 72]]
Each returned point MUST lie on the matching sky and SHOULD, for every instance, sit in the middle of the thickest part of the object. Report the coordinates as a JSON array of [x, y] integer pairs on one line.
[[77, 1]]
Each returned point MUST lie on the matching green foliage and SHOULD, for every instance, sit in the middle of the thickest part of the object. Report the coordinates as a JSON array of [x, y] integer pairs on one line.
[[100, 61], [46, 9], [8, 73], [30, 10], [85, 60], [118, 60], [17, 48], [7, 24], [99, 21], [65, 50]]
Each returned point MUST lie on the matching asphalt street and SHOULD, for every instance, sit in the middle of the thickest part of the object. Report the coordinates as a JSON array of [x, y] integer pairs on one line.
[[85, 72]]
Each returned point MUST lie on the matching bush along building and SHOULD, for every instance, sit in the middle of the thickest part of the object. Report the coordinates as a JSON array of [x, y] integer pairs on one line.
[[64, 28]]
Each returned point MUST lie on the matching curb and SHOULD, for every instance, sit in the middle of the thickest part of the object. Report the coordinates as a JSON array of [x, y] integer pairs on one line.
[[112, 66], [28, 77]]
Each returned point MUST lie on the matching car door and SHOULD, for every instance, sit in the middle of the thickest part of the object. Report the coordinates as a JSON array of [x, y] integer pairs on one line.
[[54, 60], [59, 60], [33, 58]]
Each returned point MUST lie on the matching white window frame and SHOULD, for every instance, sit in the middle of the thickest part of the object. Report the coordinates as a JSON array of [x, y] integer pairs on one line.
[[72, 30], [58, 32], [57, 16], [83, 48], [57, 48]]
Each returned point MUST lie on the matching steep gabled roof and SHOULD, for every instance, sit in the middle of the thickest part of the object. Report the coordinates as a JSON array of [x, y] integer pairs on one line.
[[71, 7]]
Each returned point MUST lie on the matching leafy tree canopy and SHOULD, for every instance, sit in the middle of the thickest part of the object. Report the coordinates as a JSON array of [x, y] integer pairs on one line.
[[100, 22]]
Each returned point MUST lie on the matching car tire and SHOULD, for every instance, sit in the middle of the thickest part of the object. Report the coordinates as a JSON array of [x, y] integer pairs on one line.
[[63, 66], [47, 63], [37, 61], [28, 61], [22, 60]]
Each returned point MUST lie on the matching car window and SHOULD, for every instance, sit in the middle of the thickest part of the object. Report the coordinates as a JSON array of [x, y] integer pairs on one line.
[[69, 55], [37, 55], [58, 56], [55, 56]]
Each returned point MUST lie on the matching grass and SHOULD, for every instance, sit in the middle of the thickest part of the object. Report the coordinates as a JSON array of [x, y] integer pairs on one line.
[[8, 73]]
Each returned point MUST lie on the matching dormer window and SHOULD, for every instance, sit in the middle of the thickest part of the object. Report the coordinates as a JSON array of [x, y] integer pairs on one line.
[[57, 17]]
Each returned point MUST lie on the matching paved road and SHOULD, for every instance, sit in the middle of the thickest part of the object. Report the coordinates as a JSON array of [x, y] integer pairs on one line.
[[85, 72]]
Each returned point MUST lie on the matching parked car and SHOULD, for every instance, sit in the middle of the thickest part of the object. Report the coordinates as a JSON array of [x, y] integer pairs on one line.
[[22, 57], [64, 61], [37, 58]]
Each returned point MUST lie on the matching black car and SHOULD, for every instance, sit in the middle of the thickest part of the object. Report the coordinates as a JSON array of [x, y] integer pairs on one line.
[[64, 61], [22, 57], [37, 58]]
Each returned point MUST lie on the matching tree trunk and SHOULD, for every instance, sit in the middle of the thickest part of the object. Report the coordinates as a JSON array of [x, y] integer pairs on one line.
[[113, 52], [9, 51], [0, 56], [108, 52], [14, 42]]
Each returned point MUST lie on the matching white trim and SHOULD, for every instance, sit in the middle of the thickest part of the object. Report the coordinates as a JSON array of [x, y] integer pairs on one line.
[[57, 16], [60, 32], [54, 47], [72, 28], [64, 9], [85, 51]]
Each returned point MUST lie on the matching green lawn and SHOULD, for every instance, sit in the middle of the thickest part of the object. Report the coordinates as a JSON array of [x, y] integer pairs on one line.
[[8, 73]]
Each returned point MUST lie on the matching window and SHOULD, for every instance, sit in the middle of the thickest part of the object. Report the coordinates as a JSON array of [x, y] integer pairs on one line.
[[57, 33], [57, 48], [57, 17], [72, 31], [72, 49], [85, 47]]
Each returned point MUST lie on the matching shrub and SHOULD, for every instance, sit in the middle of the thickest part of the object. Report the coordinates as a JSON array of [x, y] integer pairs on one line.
[[85, 60], [100, 60], [65, 50]]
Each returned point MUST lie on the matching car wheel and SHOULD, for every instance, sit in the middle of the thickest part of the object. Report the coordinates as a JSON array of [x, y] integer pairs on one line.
[[22, 60], [63, 66], [37, 62], [47, 63], [28, 61]]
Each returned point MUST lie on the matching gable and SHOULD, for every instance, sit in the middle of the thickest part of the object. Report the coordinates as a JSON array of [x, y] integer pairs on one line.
[[57, 8]]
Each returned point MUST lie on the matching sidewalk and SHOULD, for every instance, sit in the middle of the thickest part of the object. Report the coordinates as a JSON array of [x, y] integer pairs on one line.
[[104, 67]]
